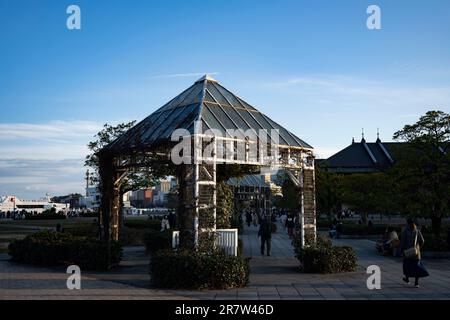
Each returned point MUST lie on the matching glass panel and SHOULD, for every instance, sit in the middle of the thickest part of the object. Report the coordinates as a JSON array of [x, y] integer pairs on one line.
[[181, 121], [236, 118], [246, 115], [230, 96], [194, 96], [222, 117], [210, 119], [293, 141], [217, 95], [175, 101], [268, 126], [162, 123], [208, 97]]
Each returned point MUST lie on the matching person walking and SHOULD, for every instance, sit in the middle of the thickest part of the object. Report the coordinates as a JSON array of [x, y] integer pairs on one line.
[[290, 225], [265, 232], [165, 224], [172, 220], [255, 219], [248, 218], [411, 243]]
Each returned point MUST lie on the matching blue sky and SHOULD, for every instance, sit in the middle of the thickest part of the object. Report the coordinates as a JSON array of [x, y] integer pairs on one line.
[[312, 66]]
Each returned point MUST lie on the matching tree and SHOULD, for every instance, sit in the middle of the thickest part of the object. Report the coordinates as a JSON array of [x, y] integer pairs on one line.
[[366, 193], [328, 192], [225, 205], [291, 198], [422, 169], [144, 178]]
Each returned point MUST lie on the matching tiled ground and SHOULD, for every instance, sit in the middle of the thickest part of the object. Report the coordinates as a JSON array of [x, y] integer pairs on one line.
[[274, 277]]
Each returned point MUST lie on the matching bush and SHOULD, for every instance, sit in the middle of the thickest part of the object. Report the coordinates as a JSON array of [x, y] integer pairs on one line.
[[88, 231], [42, 248], [157, 240], [93, 254], [45, 216], [435, 243], [198, 270], [89, 214], [51, 248], [143, 224], [323, 257], [362, 230]]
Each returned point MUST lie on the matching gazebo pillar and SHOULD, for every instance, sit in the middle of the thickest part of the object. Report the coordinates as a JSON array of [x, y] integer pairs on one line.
[[110, 198], [198, 198], [307, 217]]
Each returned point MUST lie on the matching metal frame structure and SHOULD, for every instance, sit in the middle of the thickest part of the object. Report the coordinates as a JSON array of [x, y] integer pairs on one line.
[[149, 144]]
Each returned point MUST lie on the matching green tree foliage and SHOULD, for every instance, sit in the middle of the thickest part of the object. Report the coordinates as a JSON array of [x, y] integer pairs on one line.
[[291, 195], [328, 192], [422, 170], [134, 180], [225, 205], [366, 193]]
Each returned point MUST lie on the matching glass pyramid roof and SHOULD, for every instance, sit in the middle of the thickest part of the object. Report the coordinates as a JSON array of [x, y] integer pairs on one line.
[[212, 104]]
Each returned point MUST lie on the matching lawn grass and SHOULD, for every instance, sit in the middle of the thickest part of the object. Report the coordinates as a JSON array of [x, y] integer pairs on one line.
[[65, 223]]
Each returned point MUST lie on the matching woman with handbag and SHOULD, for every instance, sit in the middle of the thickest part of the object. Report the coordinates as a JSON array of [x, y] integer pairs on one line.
[[411, 242]]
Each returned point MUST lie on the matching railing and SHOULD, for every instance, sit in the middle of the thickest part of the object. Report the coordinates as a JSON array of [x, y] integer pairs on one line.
[[227, 239]]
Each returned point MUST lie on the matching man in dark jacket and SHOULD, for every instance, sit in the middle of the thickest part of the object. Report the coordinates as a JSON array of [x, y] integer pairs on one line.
[[265, 232]]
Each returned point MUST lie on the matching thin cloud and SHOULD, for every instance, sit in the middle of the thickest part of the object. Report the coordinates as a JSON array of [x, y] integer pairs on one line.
[[183, 75]]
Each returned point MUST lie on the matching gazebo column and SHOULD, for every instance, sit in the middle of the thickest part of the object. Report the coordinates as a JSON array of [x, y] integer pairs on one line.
[[110, 199], [107, 190], [198, 197], [115, 210], [307, 217]]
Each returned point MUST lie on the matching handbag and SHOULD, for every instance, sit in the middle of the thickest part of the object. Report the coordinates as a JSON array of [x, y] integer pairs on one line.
[[412, 252]]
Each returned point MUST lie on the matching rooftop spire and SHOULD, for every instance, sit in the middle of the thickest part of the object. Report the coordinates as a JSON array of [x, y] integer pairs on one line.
[[362, 136], [378, 135], [206, 77]]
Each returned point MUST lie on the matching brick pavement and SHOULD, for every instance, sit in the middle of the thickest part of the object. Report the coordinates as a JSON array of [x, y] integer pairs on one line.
[[274, 277]]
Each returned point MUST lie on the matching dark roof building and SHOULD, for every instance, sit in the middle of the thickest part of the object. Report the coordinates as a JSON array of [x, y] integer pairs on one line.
[[362, 157]]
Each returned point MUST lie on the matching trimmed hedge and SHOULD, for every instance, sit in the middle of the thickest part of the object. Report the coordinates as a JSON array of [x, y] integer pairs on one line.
[[89, 214], [362, 230], [154, 224], [94, 255], [52, 248], [435, 243], [42, 248], [198, 270], [323, 257], [156, 240], [45, 216]]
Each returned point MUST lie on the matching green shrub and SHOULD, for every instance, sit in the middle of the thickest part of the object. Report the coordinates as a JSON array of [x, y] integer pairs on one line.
[[89, 231], [45, 216], [362, 230], [198, 270], [133, 236], [153, 224], [435, 243], [237, 223], [323, 257], [42, 248], [157, 240], [52, 248], [94, 255], [89, 214]]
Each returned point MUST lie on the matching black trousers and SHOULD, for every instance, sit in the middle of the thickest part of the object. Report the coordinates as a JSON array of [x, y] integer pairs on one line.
[[265, 242]]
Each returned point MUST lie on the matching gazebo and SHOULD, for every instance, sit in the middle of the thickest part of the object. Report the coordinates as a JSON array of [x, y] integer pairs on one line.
[[203, 127]]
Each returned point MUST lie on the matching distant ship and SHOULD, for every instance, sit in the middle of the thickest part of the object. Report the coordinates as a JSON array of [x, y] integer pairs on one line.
[[14, 204]]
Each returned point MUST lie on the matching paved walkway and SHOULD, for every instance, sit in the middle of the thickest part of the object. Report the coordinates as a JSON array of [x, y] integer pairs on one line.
[[274, 277]]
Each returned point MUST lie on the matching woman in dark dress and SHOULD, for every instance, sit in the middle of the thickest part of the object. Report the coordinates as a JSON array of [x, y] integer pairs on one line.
[[412, 265]]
